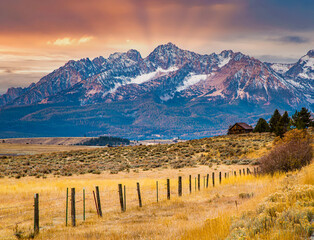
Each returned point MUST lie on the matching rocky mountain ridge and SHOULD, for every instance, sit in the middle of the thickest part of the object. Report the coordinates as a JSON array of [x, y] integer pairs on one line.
[[145, 89]]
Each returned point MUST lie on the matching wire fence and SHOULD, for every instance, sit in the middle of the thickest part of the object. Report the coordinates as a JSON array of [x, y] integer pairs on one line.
[[58, 210]]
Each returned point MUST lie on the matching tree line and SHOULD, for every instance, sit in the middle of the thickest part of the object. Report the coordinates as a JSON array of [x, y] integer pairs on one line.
[[281, 124], [106, 140]]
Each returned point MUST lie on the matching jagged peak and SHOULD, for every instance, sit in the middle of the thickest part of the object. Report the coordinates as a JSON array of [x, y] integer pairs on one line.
[[166, 48], [168, 45], [134, 55], [226, 52], [131, 54], [310, 53], [116, 55]]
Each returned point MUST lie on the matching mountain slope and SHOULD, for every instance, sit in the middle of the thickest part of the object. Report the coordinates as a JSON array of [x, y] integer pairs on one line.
[[170, 92]]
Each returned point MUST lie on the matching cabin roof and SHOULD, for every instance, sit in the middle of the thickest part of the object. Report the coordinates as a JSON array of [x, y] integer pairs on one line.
[[243, 125]]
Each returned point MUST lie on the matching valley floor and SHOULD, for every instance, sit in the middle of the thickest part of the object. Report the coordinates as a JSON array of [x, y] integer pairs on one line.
[[16, 149]]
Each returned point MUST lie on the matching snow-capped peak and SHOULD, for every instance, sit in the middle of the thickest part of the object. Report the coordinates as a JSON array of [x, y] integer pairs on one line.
[[307, 64], [224, 58]]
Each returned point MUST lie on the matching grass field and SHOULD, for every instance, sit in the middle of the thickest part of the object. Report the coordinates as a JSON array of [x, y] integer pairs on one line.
[[210, 213], [47, 140], [13, 149], [234, 149], [241, 207]]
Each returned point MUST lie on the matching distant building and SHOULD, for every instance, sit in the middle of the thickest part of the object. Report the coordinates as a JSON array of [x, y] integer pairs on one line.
[[239, 128]]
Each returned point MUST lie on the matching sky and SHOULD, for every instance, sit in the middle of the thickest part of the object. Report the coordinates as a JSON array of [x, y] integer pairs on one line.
[[39, 36]]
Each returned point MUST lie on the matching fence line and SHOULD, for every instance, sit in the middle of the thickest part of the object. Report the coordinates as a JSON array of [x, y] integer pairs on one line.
[[136, 196]]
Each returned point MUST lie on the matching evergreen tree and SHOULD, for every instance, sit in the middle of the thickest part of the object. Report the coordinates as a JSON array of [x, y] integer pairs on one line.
[[285, 120], [261, 126], [283, 125], [302, 119], [274, 120]]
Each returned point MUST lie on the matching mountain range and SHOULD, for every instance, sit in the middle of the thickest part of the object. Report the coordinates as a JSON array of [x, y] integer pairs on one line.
[[171, 92]]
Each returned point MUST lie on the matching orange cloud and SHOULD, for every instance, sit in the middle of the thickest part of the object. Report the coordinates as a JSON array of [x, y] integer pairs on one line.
[[70, 41]]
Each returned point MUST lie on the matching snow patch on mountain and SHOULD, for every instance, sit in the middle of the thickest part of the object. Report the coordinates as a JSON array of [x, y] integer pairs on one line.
[[242, 94], [309, 98], [281, 67], [190, 80], [116, 86], [146, 77], [149, 76], [294, 83], [166, 97], [308, 67], [309, 62], [223, 61]]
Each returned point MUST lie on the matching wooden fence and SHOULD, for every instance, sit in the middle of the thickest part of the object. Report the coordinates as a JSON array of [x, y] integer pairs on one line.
[[76, 202]]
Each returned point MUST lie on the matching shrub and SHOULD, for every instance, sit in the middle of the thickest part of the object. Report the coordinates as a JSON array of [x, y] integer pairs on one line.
[[292, 152]]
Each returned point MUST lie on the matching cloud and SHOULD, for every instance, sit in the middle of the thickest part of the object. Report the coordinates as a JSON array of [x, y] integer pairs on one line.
[[276, 59], [126, 16], [294, 39], [70, 41], [62, 42], [85, 39]]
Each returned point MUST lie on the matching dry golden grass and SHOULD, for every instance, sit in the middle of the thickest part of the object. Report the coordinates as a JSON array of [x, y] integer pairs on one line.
[[46, 140], [165, 219], [285, 211], [30, 149], [233, 149], [207, 214]]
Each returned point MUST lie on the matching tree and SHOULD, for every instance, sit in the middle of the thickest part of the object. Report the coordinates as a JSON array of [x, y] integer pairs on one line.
[[273, 122], [283, 125], [261, 126], [302, 119]]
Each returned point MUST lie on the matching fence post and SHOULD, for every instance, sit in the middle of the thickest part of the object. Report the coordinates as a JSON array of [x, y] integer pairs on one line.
[[235, 173], [219, 177], [199, 181], [36, 213], [124, 193], [213, 178], [243, 171], [73, 207], [121, 197], [83, 204], [98, 201], [157, 190], [247, 171], [180, 186], [66, 208], [168, 189], [97, 210], [207, 179], [239, 172], [225, 175], [139, 195], [190, 183]]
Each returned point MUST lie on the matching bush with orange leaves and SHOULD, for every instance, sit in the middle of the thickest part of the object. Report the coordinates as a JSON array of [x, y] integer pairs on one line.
[[291, 152]]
